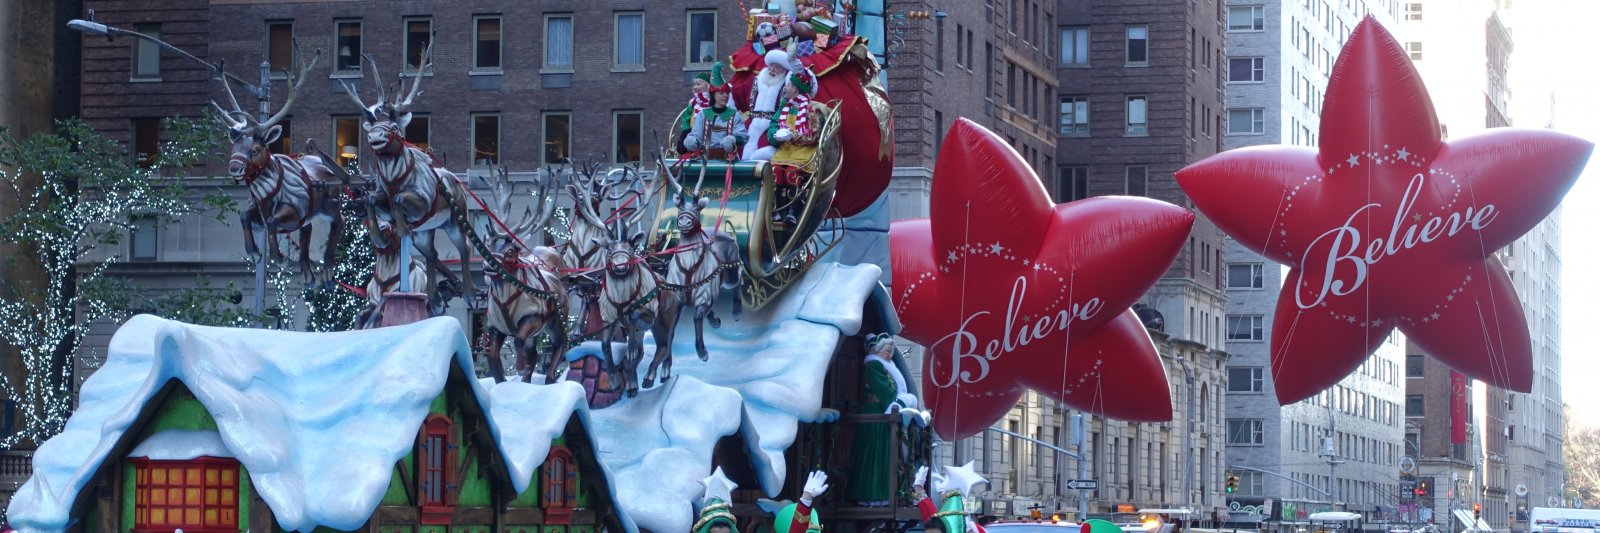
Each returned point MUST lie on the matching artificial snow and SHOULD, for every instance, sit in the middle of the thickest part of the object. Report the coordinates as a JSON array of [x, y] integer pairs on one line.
[[181, 445], [764, 377], [317, 419]]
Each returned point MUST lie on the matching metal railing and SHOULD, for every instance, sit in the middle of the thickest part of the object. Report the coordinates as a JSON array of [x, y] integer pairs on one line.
[[15, 466]]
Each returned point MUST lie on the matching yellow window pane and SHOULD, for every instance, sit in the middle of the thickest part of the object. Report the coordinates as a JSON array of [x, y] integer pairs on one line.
[[191, 496], [213, 518], [227, 477], [143, 476], [158, 497], [141, 516], [158, 517], [141, 496], [211, 497], [228, 518], [174, 496], [191, 516], [159, 476], [175, 475], [211, 476], [228, 497], [194, 476]]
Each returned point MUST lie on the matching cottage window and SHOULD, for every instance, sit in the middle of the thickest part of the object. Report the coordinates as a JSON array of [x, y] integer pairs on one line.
[[199, 495], [560, 479], [437, 485]]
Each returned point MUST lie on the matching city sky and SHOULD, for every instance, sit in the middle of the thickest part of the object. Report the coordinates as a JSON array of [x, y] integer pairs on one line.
[[1555, 52]]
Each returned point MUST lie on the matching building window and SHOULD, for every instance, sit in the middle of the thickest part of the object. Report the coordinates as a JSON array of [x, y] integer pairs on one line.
[[558, 42], [347, 136], [1074, 115], [1244, 431], [146, 54], [938, 44], [1414, 366], [419, 131], [1414, 405], [1245, 276], [560, 477], [1250, 484], [142, 235], [419, 32], [1245, 328], [1137, 122], [199, 495], [1072, 184], [557, 138], [938, 131], [486, 43], [1247, 69], [1414, 11], [347, 42], [280, 45], [1137, 177], [628, 132], [486, 139], [1247, 18], [1075, 47], [702, 38], [1414, 48], [630, 41], [1245, 379], [1248, 121], [146, 141], [961, 39], [1138, 45], [437, 454]]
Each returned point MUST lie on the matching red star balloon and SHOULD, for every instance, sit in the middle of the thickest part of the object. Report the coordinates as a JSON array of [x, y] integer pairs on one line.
[[1009, 291], [1385, 225]]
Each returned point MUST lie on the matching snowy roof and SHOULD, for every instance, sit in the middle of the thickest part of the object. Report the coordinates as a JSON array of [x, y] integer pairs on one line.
[[763, 378], [318, 419]]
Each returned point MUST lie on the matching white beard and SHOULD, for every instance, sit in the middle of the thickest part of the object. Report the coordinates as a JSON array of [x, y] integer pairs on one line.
[[768, 87]]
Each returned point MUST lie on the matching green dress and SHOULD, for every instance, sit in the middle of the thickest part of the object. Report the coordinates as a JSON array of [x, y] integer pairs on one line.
[[869, 468]]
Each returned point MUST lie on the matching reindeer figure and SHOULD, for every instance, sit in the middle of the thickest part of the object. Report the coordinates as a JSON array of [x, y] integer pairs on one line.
[[386, 270], [287, 192], [632, 302], [707, 262], [416, 196], [588, 191], [521, 255]]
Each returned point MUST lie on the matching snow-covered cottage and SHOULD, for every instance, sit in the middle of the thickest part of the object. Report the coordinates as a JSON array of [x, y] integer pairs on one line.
[[229, 430]]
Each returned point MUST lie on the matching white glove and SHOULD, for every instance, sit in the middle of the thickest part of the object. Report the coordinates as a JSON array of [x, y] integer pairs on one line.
[[816, 484], [782, 135], [920, 480]]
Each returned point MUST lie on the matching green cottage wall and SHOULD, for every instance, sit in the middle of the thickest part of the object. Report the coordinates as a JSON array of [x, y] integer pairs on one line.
[[182, 411], [475, 490]]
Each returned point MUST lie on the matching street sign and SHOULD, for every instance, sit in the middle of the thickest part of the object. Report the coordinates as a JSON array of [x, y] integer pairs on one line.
[[1082, 484]]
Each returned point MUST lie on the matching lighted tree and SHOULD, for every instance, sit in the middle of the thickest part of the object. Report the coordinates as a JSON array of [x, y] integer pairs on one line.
[[66, 195], [334, 308]]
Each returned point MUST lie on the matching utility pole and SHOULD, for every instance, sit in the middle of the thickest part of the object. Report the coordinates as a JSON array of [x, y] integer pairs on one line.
[[1188, 435], [1079, 426], [1331, 451]]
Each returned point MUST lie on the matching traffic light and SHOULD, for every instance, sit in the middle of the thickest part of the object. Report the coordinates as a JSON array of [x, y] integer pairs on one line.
[[1232, 484], [1422, 488], [1477, 510]]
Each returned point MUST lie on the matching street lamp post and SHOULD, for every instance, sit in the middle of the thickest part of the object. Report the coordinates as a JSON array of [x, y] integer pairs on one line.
[[1188, 435], [262, 93]]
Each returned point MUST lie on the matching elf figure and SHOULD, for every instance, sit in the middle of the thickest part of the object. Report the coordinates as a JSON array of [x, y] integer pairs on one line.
[[719, 128], [716, 508], [950, 514], [699, 98], [799, 517], [795, 132]]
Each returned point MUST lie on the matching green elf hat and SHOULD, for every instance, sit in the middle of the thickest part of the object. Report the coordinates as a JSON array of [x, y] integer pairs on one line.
[[785, 518], [703, 76], [718, 83], [802, 81], [952, 512], [1096, 525], [715, 512]]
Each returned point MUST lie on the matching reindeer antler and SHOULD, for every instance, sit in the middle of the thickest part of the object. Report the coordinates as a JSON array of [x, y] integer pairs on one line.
[[355, 94], [227, 116], [404, 104], [295, 82]]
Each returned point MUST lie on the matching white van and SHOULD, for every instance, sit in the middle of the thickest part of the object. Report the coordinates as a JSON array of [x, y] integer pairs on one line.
[[1559, 520]]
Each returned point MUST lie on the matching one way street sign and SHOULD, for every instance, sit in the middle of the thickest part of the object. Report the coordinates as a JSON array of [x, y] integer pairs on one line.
[[1082, 484]]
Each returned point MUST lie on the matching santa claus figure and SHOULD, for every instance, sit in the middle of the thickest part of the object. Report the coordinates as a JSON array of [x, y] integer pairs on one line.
[[765, 97]]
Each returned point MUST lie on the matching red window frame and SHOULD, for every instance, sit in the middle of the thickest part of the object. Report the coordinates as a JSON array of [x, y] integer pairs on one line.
[[437, 485], [199, 495], [560, 476]]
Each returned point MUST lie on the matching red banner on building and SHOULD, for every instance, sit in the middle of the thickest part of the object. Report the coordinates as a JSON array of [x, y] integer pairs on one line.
[[1458, 408]]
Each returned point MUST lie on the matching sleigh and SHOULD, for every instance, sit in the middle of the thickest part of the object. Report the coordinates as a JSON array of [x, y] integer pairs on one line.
[[776, 254]]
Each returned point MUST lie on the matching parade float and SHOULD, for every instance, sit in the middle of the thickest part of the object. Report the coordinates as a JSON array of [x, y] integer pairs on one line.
[[685, 357]]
